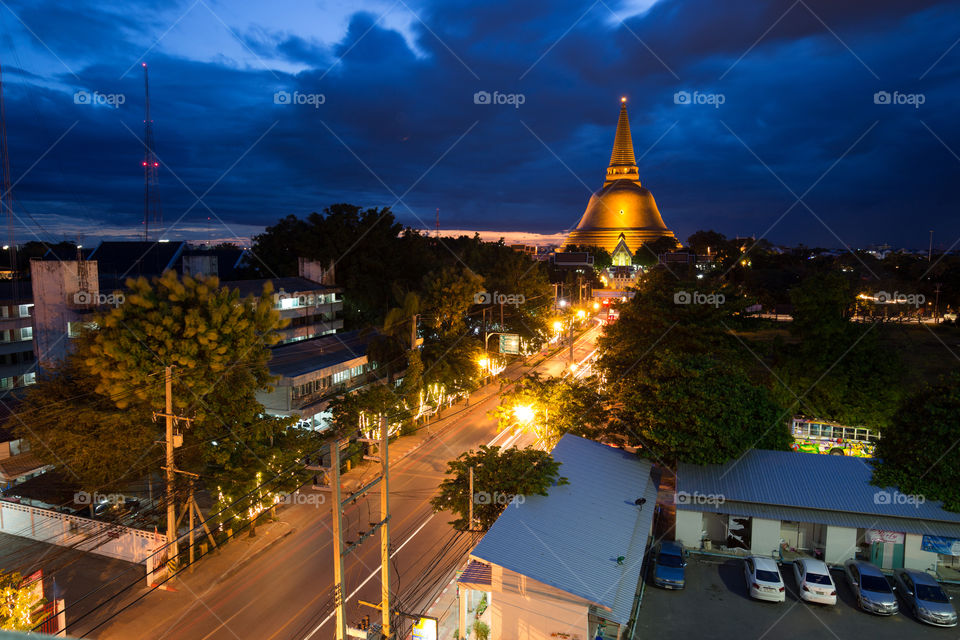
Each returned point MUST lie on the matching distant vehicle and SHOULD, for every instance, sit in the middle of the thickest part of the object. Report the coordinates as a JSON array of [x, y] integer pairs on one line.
[[764, 581], [815, 436], [873, 592], [668, 566], [922, 594], [814, 581], [950, 316]]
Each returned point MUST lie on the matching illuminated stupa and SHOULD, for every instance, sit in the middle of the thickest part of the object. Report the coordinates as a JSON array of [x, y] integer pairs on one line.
[[623, 211]]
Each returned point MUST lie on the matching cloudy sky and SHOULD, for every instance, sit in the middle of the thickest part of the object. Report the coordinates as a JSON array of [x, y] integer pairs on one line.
[[827, 122]]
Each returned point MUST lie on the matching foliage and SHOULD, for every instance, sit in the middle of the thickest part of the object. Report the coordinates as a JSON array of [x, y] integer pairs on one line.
[[557, 405], [680, 385], [481, 630], [648, 254], [498, 476], [601, 257], [16, 603], [914, 453]]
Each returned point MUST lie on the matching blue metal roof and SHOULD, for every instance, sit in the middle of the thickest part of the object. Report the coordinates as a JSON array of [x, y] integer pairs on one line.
[[308, 356], [571, 538], [805, 480]]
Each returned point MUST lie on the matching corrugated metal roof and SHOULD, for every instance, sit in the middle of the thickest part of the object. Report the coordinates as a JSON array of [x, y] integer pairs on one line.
[[309, 356], [571, 538], [476, 573], [806, 480], [836, 518]]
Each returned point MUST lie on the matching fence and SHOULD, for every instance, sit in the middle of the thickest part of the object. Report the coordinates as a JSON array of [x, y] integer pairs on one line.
[[103, 538]]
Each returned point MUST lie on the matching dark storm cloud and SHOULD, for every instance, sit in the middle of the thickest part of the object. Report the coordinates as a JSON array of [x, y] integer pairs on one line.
[[399, 114]]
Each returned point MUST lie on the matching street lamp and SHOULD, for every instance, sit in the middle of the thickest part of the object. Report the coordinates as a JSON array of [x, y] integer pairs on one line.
[[523, 413], [557, 326]]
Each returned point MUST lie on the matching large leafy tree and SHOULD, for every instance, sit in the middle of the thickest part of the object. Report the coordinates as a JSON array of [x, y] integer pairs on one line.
[[498, 476], [680, 385], [217, 345], [17, 604], [916, 453]]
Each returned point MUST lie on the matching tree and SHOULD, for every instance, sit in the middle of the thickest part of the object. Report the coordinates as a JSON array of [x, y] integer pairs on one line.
[[498, 476], [551, 407], [648, 254], [17, 603], [217, 345], [915, 454], [601, 257]]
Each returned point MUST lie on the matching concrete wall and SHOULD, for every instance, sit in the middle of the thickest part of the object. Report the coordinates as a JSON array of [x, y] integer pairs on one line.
[[841, 544], [524, 609], [916, 558], [84, 534], [764, 536], [689, 528]]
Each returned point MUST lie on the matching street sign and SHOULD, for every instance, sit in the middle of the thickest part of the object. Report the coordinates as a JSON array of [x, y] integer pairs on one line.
[[425, 629], [510, 343]]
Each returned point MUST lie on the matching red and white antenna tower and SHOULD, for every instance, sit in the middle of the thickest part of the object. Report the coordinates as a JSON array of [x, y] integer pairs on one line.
[[151, 197], [6, 197]]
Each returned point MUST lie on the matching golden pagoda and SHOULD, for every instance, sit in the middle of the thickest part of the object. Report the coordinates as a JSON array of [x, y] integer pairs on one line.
[[622, 211]]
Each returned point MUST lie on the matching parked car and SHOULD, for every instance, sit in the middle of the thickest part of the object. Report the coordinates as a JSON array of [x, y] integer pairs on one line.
[[870, 586], [814, 581], [668, 566], [922, 594], [764, 581]]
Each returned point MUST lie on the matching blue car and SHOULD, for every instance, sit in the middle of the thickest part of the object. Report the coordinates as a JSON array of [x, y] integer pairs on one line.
[[668, 566]]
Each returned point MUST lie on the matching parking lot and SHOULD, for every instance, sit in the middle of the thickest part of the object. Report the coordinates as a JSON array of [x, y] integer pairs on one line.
[[715, 604]]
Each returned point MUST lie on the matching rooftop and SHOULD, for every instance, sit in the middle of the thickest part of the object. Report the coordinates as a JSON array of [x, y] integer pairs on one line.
[[307, 356], [571, 539], [778, 483], [290, 285]]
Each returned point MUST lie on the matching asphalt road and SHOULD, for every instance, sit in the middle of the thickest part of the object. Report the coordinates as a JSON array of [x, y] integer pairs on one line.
[[287, 593]]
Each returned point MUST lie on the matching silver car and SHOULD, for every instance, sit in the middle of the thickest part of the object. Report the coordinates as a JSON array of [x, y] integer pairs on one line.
[[874, 594], [922, 594]]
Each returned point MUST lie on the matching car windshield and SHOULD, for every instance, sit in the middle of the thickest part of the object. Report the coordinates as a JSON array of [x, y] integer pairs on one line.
[[665, 560], [875, 584], [930, 593], [768, 576], [818, 578]]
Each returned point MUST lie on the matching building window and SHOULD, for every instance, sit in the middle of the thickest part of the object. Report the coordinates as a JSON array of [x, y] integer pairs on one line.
[[25, 310], [26, 333], [30, 378], [6, 383]]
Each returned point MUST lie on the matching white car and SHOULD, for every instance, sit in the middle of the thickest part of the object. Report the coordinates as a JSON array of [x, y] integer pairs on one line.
[[763, 579], [814, 581]]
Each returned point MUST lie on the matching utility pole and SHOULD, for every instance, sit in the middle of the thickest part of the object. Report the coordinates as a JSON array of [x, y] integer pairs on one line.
[[930, 251], [172, 440], [936, 305], [385, 530], [151, 199], [470, 521], [337, 540]]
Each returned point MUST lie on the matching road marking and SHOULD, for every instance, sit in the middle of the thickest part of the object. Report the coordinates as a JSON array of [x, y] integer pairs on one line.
[[333, 613]]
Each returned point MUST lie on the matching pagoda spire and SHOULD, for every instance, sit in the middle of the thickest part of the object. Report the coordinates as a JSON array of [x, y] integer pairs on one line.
[[623, 164]]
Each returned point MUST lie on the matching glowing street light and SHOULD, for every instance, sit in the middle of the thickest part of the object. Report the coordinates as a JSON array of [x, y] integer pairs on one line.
[[563, 303], [483, 362], [596, 306], [581, 314], [523, 413], [558, 326]]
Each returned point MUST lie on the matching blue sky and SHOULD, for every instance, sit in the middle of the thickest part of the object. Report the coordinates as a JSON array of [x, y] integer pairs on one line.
[[787, 131]]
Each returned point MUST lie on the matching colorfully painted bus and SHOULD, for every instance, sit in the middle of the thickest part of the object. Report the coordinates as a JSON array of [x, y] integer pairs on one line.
[[816, 436]]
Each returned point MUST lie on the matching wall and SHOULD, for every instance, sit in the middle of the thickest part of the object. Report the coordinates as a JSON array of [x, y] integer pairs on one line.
[[916, 558], [765, 537], [841, 544], [56, 284], [83, 534], [524, 609], [689, 528]]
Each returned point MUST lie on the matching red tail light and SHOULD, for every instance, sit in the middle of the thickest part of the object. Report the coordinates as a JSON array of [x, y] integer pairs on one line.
[[755, 586], [833, 593], [805, 588], [781, 589]]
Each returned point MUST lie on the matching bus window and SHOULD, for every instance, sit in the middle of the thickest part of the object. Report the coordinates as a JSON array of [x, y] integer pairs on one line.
[[827, 431], [862, 435], [814, 429]]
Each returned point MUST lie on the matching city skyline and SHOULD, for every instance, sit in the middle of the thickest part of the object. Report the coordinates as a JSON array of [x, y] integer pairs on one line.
[[801, 123]]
